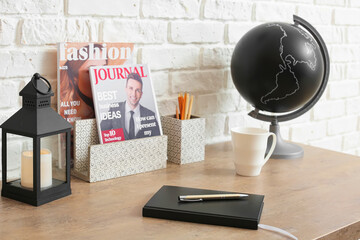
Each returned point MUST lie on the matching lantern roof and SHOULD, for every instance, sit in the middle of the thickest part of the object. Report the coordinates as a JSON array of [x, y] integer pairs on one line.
[[36, 117], [35, 123]]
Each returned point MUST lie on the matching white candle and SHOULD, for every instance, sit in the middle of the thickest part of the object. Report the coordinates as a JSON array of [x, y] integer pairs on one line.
[[45, 168]]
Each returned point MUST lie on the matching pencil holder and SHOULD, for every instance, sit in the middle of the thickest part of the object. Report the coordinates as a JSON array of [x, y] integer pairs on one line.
[[186, 139], [96, 162]]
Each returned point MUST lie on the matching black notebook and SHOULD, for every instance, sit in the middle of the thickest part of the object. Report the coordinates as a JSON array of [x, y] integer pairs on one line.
[[243, 213]]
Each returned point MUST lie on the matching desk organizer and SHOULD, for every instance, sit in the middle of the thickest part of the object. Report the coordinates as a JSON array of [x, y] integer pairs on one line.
[[186, 139], [96, 162]]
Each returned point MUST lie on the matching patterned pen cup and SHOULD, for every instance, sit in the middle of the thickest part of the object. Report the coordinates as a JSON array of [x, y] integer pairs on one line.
[[186, 139]]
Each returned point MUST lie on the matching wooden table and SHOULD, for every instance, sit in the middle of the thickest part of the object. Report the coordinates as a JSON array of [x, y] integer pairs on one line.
[[314, 197]]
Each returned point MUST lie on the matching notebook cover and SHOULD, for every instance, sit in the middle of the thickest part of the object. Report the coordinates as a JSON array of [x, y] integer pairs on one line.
[[244, 213]]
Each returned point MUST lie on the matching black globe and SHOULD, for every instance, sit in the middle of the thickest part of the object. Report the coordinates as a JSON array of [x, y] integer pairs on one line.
[[277, 67]]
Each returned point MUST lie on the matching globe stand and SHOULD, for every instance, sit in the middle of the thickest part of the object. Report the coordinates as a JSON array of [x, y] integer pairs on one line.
[[283, 150]]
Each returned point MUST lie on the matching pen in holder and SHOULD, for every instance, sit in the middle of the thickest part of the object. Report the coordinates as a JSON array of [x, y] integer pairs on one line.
[[186, 139]]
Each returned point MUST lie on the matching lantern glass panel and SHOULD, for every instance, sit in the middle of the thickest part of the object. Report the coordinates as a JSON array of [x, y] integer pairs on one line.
[[53, 160], [19, 160]]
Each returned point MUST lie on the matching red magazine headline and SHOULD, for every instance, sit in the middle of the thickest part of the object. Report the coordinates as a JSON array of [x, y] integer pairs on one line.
[[103, 74]]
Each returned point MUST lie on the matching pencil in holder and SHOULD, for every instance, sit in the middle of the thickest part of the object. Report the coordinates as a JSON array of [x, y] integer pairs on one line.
[[186, 139]]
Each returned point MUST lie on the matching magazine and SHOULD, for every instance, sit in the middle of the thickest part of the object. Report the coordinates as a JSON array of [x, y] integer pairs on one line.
[[74, 59], [124, 102], [74, 90]]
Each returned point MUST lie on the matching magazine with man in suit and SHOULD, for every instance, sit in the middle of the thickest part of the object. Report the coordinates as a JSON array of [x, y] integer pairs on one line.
[[124, 102]]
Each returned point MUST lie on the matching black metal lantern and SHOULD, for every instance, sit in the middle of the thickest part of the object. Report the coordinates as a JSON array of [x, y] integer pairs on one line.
[[37, 140]]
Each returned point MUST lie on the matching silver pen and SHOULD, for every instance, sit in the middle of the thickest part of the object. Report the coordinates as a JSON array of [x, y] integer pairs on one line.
[[209, 197]]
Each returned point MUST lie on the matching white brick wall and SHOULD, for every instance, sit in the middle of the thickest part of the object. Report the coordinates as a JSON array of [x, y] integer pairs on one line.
[[347, 16], [206, 81], [170, 9], [343, 89], [171, 57], [31, 6], [316, 15], [124, 8], [189, 44], [137, 31], [216, 57], [228, 10], [206, 32], [266, 11], [7, 31]]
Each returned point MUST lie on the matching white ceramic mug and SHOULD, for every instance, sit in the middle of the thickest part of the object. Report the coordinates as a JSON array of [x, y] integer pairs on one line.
[[249, 146]]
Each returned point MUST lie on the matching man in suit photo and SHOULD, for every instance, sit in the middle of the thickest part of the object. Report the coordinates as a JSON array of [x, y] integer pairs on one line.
[[136, 120]]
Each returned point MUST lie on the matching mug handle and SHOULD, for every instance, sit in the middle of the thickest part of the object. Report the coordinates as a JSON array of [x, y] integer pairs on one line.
[[272, 148]]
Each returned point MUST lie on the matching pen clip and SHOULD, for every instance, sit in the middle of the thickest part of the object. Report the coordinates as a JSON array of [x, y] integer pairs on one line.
[[190, 200]]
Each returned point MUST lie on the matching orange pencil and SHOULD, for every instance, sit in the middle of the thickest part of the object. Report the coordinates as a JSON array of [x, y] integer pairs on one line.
[[177, 113], [180, 101], [183, 107], [187, 99], [190, 107]]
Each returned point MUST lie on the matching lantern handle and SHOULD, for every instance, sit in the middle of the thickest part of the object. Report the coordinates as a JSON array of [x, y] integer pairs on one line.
[[37, 76]]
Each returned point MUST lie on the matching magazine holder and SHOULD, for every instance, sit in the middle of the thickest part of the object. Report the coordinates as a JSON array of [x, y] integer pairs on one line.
[[97, 162]]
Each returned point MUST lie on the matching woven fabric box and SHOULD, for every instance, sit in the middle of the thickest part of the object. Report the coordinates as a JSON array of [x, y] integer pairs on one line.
[[186, 139], [96, 162]]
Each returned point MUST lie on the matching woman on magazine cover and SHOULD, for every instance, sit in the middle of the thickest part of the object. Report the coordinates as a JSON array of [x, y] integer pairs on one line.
[[75, 87]]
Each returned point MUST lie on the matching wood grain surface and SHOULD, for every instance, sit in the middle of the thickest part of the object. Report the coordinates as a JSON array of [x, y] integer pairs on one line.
[[317, 196]]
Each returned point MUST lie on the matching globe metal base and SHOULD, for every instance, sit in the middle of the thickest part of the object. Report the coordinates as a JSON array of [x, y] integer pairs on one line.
[[283, 150]]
